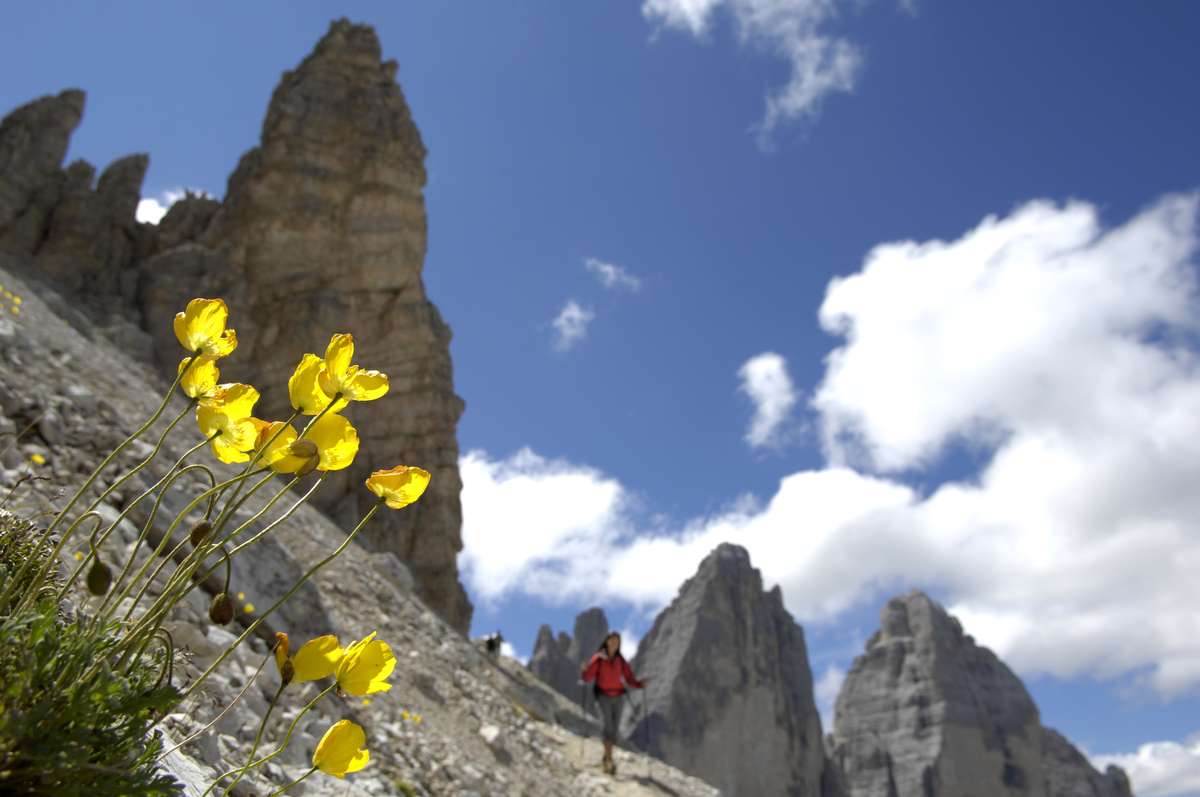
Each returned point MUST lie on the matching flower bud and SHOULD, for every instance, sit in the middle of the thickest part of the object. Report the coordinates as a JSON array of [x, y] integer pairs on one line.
[[200, 532], [99, 578], [308, 451], [305, 449], [220, 611], [287, 672], [281, 649]]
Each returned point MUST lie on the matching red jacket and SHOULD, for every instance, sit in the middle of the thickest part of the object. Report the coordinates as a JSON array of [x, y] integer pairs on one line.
[[608, 673]]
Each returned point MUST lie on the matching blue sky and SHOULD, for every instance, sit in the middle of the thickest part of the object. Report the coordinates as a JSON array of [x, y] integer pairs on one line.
[[634, 136]]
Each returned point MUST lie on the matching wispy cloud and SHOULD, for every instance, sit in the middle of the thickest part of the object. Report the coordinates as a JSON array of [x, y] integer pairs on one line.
[[571, 325], [764, 378], [796, 30], [613, 276], [150, 210]]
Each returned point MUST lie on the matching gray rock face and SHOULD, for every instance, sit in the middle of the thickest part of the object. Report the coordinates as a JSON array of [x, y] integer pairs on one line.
[[730, 694], [557, 661], [1069, 774], [926, 711], [322, 230]]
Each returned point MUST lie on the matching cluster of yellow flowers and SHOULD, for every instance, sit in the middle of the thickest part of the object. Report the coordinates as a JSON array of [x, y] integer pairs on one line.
[[10, 299], [319, 387], [360, 669]]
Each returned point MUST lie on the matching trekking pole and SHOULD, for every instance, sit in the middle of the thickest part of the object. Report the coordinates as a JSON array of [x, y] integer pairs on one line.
[[646, 735], [583, 708]]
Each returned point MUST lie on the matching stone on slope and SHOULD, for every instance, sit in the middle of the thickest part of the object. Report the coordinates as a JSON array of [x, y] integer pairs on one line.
[[925, 711], [730, 692]]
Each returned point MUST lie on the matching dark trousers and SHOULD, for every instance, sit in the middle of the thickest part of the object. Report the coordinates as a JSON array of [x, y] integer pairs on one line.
[[610, 712]]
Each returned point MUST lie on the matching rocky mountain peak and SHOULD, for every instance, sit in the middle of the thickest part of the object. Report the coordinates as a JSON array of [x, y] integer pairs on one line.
[[322, 230], [730, 696], [924, 710], [557, 660]]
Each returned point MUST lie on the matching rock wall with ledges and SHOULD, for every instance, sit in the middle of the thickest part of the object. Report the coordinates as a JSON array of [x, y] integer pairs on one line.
[[322, 230]]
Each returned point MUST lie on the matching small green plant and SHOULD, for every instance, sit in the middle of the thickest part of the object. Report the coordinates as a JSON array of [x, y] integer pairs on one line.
[[59, 734]]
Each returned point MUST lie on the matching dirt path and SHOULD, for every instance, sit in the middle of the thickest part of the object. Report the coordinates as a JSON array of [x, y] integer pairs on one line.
[[637, 775]]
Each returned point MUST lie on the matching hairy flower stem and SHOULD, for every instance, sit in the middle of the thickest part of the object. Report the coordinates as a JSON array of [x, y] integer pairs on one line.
[[39, 579], [295, 782], [125, 444], [167, 535], [224, 711], [222, 518], [185, 577], [286, 739], [254, 747], [177, 470], [295, 588]]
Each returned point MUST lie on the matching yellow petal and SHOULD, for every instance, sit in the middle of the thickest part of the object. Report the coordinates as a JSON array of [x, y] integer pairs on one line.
[[223, 345], [236, 401], [342, 749], [365, 385], [337, 441], [317, 658], [201, 328], [338, 355], [365, 667], [210, 420], [200, 381], [304, 387], [399, 486], [278, 438], [227, 452]]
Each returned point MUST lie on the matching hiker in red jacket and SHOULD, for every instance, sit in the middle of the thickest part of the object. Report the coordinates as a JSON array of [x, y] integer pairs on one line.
[[611, 672]]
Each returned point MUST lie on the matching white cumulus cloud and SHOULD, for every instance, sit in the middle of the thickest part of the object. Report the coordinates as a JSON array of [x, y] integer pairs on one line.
[[796, 30], [613, 276], [1063, 351], [764, 378], [150, 210], [1160, 769], [507, 649]]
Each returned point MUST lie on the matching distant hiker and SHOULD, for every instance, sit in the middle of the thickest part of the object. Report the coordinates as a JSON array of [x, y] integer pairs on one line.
[[611, 672], [493, 644]]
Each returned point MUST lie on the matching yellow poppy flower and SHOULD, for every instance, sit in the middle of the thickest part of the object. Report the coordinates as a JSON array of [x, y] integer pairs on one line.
[[280, 453], [304, 387], [200, 381], [201, 328], [399, 486], [226, 422], [336, 441], [341, 377], [342, 749], [365, 666], [317, 658]]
